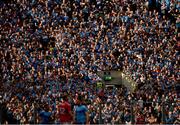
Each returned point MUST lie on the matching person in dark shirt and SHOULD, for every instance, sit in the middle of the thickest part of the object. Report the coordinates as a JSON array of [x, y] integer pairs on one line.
[[45, 115], [3, 113]]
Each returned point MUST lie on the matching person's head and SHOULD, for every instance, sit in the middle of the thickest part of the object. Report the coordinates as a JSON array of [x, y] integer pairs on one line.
[[79, 100], [46, 107], [65, 97]]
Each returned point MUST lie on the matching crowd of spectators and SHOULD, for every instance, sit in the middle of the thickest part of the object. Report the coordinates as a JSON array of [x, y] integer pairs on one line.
[[48, 47]]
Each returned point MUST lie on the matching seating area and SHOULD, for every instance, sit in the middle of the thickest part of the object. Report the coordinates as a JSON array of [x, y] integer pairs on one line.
[[52, 47]]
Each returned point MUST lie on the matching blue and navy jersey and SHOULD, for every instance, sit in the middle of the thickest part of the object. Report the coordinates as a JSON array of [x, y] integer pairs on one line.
[[45, 117], [80, 114]]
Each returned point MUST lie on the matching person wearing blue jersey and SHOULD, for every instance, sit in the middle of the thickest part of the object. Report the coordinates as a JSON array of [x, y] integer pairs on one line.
[[45, 115], [81, 115]]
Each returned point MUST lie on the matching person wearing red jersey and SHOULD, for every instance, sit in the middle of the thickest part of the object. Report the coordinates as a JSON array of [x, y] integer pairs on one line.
[[64, 111], [140, 118]]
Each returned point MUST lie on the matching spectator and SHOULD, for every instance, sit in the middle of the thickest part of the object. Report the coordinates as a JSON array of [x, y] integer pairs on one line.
[[64, 111], [81, 112], [45, 116]]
